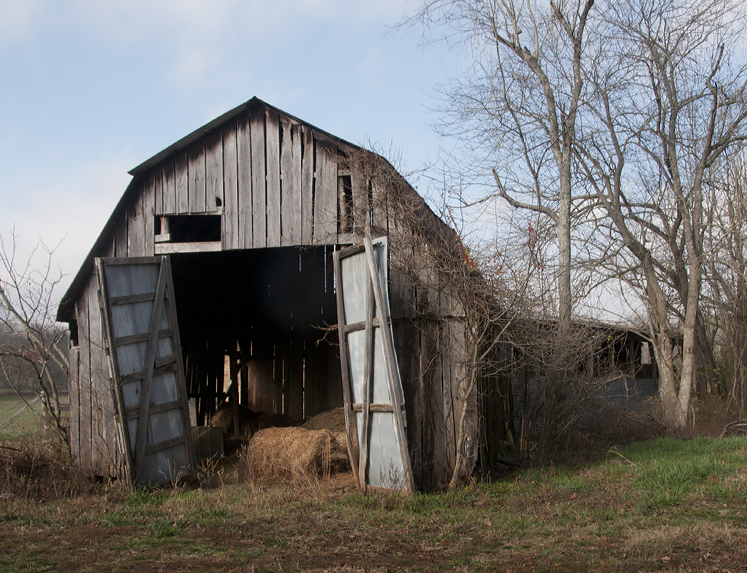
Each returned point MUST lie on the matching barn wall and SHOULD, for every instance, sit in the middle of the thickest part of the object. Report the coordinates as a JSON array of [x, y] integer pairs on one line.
[[273, 181], [95, 442]]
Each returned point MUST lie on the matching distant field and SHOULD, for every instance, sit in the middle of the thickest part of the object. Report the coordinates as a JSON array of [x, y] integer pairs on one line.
[[26, 422]]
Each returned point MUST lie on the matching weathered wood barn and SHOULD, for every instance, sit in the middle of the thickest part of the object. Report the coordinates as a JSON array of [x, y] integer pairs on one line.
[[249, 209]]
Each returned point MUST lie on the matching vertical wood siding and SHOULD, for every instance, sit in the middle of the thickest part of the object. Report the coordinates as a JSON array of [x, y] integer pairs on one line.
[[273, 181]]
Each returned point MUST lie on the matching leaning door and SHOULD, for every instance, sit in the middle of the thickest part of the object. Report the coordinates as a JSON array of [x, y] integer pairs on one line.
[[145, 360], [372, 389]]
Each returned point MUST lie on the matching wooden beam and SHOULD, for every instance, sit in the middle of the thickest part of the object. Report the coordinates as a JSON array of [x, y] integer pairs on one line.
[[391, 364], [345, 364], [150, 358], [170, 248]]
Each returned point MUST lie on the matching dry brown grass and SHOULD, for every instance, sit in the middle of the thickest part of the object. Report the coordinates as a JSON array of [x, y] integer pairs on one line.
[[39, 468]]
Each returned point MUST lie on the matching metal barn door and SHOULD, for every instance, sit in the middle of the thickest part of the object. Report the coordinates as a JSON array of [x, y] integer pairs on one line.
[[372, 388], [137, 303]]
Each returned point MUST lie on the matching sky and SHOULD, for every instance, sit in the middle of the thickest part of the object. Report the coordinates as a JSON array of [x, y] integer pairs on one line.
[[92, 89]]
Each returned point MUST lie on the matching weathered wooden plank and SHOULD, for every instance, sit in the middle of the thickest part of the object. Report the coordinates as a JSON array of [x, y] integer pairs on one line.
[[84, 376], [214, 198], [132, 298], [74, 399], [134, 411], [361, 209], [407, 339], [244, 200], [120, 237], [390, 358], [140, 337], [272, 134], [368, 367], [196, 177], [379, 210], [169, 248], [181, 182], [168, 187], [325, 193], [449, 391], [123, 450], [259, 182], [164, 445], [294, 380], [148, 214], [307, 186], [230, 238], [290, 168], [104, 459], [158, 201], [359, 407], [347, 388], [173, 323], [136, 226], [139, 375]]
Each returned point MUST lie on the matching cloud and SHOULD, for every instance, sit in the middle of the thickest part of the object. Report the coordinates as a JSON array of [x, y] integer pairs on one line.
[[67, 212], [19, 18]]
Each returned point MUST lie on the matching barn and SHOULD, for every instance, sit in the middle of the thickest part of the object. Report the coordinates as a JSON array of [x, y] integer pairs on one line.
[[226, 240]]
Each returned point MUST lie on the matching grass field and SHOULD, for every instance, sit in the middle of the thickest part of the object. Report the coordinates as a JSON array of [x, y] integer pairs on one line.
[[28, 421], [660, 505]]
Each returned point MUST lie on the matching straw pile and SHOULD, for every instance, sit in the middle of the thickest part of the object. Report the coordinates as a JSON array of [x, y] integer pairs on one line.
[[295, 453]]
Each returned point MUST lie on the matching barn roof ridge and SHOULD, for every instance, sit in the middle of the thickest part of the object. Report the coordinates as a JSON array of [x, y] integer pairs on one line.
[[220, 121]]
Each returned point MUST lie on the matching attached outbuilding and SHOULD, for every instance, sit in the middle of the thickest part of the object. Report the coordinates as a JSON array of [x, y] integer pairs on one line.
[[213, 278]]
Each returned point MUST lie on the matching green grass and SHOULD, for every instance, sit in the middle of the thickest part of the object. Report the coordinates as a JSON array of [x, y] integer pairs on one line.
[[664, 504], [28, 422]]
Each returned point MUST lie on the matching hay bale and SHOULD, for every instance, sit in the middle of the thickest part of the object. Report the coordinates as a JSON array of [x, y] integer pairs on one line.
[[295, 453], [334, 421]]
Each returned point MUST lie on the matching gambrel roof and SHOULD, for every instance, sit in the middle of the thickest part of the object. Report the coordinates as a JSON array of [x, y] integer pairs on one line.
[[253, 146]]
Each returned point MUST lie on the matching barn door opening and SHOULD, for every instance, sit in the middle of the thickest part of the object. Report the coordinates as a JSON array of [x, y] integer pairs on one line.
[[372, 389], [145, 360]]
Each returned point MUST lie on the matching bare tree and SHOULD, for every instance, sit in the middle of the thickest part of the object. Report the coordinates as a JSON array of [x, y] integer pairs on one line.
[[517, 110], [666, 103], [725, 288], [32, 356], [630, 105]]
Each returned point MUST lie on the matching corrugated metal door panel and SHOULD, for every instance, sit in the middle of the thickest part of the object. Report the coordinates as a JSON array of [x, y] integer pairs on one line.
[[142, 333], [374, 400]]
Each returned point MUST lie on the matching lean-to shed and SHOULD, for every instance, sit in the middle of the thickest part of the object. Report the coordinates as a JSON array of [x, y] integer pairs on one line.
[[246, 212]]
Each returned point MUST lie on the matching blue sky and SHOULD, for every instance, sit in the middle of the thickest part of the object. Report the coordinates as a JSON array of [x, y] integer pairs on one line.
[[93, 88]]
